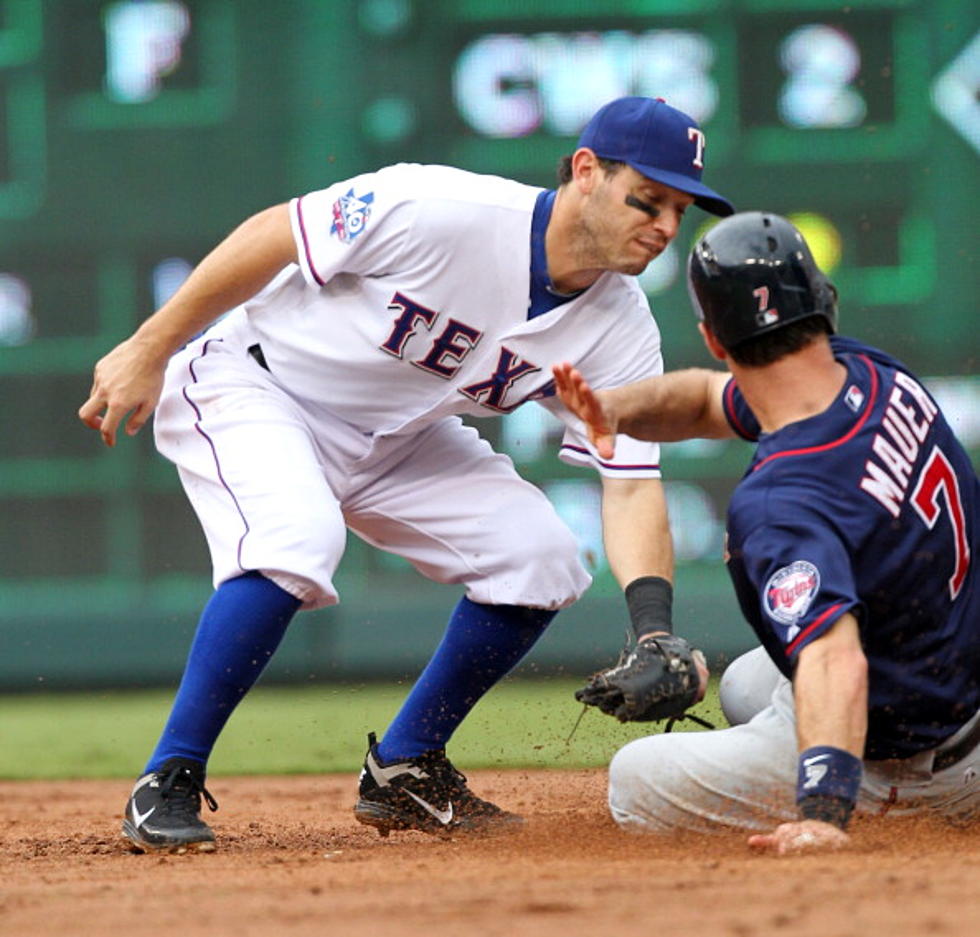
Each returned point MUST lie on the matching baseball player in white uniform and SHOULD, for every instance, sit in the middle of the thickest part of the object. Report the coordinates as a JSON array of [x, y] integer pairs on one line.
[[345, 333]]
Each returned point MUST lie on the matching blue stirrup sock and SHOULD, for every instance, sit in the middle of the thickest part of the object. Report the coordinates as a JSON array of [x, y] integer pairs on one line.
[[239, 631], [481, 645]]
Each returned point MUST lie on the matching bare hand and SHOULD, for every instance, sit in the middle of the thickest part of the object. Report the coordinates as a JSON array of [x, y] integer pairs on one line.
[[801, 836], [128, 380], [587, 405]]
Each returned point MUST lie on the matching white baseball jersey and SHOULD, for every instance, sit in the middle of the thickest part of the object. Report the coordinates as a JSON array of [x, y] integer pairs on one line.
[[410, 303], [409, 307]]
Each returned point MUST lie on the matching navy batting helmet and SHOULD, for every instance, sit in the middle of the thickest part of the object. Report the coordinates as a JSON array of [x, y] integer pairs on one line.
[[753, 273]]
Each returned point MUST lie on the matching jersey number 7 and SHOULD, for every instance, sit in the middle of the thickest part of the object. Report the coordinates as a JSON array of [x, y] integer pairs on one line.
[[937, 477]]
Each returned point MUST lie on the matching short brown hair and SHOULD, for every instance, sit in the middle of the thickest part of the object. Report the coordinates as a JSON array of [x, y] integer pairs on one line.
[[609, 166], [771, 346]]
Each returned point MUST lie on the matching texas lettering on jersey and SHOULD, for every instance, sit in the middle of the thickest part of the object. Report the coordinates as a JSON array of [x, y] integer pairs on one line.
[[449, 348]]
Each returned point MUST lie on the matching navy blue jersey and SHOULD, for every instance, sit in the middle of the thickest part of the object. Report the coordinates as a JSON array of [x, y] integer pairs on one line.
[[871, 507]]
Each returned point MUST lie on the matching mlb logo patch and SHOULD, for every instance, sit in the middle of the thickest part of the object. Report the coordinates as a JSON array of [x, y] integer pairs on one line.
[[854, 397], [790, 592], [350, 215], [767, 317]]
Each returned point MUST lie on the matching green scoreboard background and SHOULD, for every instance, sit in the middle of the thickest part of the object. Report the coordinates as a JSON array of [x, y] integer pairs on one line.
[[135, 133]]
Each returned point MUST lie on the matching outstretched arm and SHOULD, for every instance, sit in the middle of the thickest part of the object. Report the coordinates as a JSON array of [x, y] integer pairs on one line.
[[638, 543], [831, 692], [129, 379], [635, 529], [678, 405]]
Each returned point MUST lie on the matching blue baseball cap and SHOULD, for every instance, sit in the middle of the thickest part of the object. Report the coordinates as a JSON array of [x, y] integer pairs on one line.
[[659, 142]]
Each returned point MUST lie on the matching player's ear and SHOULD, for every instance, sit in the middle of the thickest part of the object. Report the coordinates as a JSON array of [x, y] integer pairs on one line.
[[586, 170], [712, 343]]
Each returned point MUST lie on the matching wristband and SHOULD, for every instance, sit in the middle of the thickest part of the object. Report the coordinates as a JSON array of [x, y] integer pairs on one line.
[[827, 784], [649, 600], [829, 809]]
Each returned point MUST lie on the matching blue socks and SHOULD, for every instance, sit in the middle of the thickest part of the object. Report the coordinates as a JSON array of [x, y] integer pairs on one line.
[[239, 631], [481, 645], [244, 622]]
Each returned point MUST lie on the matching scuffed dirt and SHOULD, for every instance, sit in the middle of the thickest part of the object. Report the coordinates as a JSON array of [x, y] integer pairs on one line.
[[293, 862]]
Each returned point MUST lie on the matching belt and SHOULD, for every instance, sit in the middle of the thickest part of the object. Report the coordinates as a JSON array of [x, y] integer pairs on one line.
[[947, 757]]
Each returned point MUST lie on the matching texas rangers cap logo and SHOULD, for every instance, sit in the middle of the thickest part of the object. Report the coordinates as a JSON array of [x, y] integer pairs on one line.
[[790, 591], [350, 215]]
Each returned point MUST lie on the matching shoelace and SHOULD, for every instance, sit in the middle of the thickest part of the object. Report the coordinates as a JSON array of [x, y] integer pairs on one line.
[[183, 792], [445, 776], [452, 782], [441, 771]]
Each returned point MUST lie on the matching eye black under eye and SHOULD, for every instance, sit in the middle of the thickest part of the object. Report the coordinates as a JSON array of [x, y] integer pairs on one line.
[[634, 202]]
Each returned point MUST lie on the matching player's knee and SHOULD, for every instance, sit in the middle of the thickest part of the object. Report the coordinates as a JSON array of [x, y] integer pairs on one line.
[[538, 567], [546, 568], [546, 547], [634, 762], [316, 540], [300, 554], [747, 685], [639, 776]]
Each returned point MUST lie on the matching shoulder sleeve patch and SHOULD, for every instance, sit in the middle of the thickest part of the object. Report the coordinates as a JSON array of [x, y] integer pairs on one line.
[[789, 593]]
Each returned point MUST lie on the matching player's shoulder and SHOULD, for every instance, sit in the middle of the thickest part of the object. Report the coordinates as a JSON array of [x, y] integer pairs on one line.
[[621, 296], [773, 503], [434, 182], [843, 345], [623, 336]]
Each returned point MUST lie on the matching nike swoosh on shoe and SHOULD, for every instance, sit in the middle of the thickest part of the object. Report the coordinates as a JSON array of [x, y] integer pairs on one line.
[[445, 817], [140, 818]]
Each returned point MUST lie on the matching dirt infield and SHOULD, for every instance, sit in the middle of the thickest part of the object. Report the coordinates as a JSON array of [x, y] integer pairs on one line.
[[292, 861]]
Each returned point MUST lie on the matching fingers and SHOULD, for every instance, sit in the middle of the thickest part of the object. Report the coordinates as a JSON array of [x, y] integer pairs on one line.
[[123, 384], [560, 373], [572, 388], [105, 423], [603, 443], [805, 836], [802, 842], [575, 392], [578, 395], [567, 385], [89, 413], [95, 412], [110, 422], [138, 419]]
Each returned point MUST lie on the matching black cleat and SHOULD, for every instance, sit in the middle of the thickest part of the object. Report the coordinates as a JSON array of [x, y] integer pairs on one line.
[[425, 793], [163, 813]]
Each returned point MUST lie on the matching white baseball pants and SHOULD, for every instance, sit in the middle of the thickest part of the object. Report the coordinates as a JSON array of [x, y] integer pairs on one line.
[[745, 776], [275, 484]]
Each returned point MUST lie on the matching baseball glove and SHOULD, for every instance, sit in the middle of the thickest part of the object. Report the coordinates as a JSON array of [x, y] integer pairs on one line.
[[657, 679]]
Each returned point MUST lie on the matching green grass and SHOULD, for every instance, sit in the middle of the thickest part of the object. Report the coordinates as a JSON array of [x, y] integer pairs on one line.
[[301, 730]]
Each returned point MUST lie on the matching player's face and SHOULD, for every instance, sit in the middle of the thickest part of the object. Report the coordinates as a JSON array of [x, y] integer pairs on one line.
[[628, 220]]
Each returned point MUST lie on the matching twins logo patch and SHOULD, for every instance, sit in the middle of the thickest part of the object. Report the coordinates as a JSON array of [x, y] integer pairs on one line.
[[350, 215], [790, 591]]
